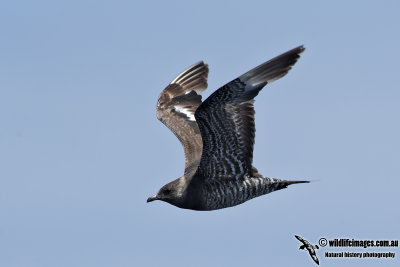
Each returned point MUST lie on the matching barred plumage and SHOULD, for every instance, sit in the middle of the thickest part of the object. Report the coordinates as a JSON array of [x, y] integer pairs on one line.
[[218, 136], [222, 194]]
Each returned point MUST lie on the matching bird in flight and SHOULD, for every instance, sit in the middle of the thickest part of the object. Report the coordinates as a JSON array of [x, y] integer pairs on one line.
[[218, 136], [309, 247]]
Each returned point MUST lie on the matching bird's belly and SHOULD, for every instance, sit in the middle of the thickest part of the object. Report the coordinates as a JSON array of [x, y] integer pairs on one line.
[[231, 192]]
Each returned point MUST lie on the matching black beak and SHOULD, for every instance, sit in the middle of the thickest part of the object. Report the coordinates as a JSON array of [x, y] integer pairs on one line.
[[150, 199]]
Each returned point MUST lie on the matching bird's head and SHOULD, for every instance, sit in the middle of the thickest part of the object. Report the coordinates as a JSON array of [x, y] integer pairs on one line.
[[173, 192]]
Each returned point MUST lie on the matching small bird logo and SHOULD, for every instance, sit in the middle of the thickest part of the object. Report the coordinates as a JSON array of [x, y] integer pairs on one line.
[[309, 247]]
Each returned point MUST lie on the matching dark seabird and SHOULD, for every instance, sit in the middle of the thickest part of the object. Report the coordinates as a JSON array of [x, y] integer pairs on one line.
[[309, 247], [218, 136]]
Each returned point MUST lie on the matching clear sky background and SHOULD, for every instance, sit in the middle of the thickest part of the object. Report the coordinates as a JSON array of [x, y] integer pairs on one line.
[[81, 148]]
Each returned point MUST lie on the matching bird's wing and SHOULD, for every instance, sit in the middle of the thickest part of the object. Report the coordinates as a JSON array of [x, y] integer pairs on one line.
[[176, 107], [314, 256], [300, 239], [226, 120], [305, 242]]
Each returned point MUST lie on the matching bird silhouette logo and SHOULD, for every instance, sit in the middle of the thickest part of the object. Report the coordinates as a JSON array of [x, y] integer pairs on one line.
[[311, 249]]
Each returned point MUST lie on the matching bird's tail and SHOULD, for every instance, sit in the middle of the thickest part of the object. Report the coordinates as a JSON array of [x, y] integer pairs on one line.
[[281, 184]]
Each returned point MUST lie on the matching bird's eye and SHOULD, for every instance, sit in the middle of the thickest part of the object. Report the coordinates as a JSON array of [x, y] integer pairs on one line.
[[167, 191]]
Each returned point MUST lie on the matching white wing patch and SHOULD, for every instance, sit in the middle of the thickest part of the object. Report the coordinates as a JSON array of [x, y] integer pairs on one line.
[[185, 111]]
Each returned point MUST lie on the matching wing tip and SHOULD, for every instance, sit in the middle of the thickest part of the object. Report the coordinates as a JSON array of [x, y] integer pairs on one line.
[[272, 69], [193, 77]]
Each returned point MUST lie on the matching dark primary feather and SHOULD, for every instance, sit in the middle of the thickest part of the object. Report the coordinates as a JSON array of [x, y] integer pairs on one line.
[[176, 106], [273, 69], [226, 120]]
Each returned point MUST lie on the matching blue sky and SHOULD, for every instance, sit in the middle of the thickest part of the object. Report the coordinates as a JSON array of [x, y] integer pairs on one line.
[[81, 148]]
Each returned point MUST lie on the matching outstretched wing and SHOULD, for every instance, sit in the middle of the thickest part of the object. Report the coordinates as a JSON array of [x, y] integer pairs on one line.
[[176, 107], [305, 242], [226, 120], [314, 256]]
